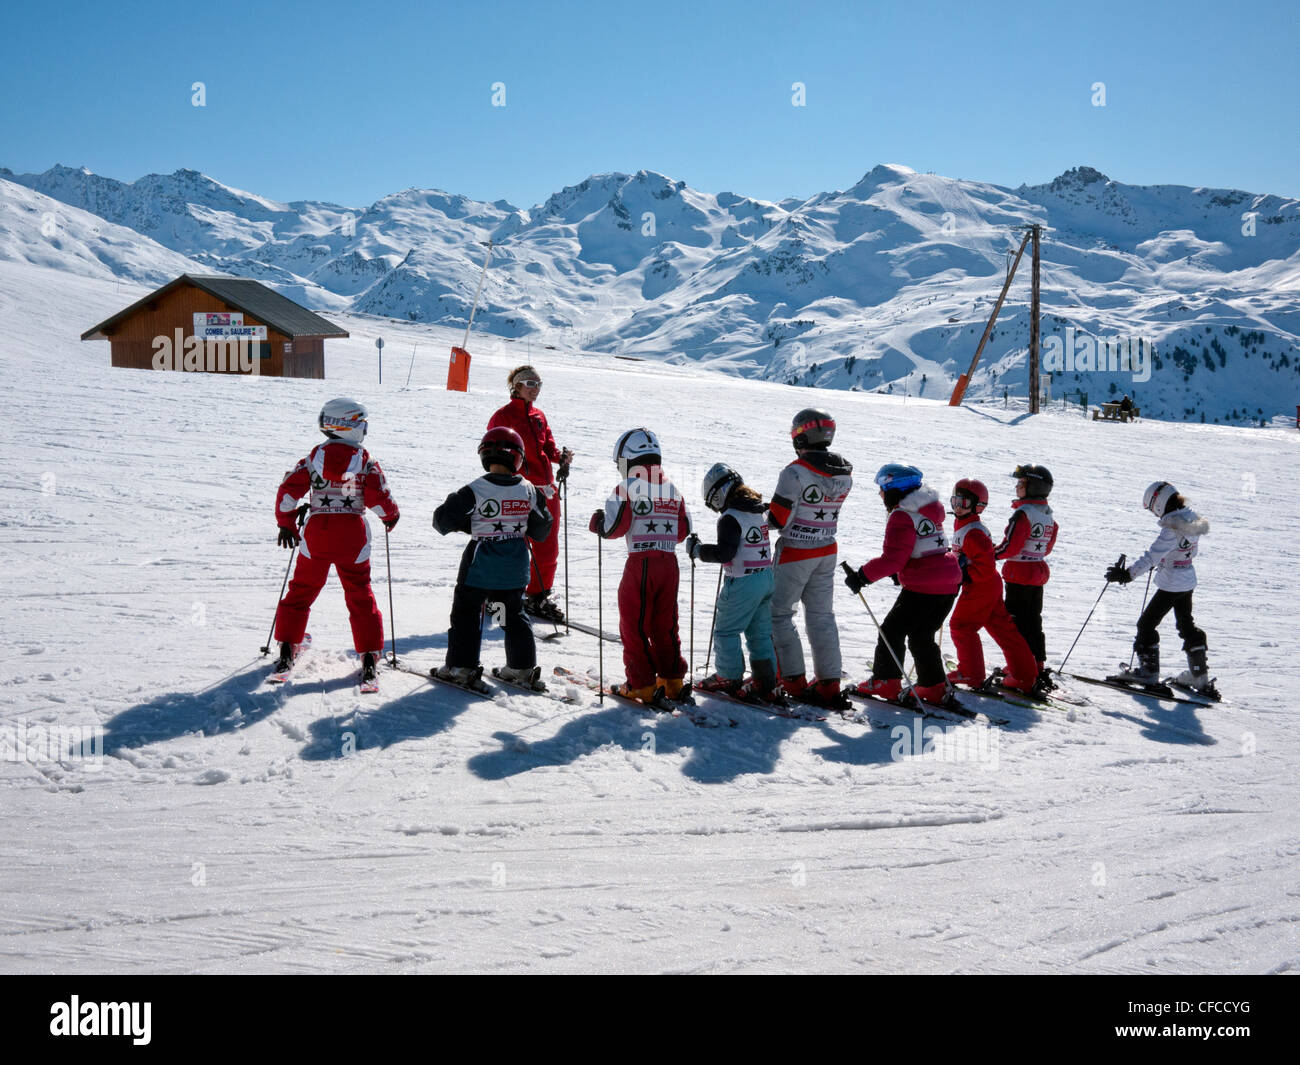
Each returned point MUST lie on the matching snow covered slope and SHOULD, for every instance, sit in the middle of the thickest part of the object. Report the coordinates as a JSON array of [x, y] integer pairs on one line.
[[234, 827], [884, 286]]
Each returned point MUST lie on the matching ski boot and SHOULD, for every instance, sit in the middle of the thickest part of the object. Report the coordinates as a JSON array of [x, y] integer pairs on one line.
[[1196, 676], [957, 677], [369, 679], [717, 683], [648, 694], [762, 686], [934, 694], [521, 676], [1147, 670], [543, 606], [888, 689], [470, 677], [285, 662], [826, 693], [794, 685]]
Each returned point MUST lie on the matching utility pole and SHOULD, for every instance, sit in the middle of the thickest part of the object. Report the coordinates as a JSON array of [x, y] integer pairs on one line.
[[1036, 231], [960, 389]]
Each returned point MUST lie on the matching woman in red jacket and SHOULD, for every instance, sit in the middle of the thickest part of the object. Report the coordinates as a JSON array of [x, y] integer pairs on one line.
[[916, 554], [540, 452]]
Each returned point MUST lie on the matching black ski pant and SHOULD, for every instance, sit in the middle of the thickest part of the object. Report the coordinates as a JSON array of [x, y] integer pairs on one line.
[[916, 618], [467, 621], [1025, 605], [1161, 603]]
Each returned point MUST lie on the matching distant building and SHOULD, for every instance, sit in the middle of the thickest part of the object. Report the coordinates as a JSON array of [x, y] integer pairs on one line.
[[218, 325]]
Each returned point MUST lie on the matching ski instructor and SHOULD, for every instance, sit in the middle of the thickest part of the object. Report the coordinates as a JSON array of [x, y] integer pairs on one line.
[[540, 452]]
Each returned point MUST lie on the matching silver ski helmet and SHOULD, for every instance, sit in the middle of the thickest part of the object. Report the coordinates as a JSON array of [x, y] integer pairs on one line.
[[717, 485], [1038, 480], [344, 419], [636, 447], [812, 428], [1157, 497]]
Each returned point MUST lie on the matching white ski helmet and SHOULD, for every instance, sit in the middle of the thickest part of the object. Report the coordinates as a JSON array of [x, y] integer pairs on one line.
[[1157, 497], [636, 447], [717, 485], [344, 419]]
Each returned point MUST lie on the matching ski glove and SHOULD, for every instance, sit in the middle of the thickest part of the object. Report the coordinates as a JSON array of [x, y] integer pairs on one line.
[[597, 523], [1118, 574], [391, 524], [566, 460], [854, 578], [693, 547], [287, 537]]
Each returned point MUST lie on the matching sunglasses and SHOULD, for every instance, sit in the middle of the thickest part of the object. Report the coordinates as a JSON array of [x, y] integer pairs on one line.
[[532, 382]]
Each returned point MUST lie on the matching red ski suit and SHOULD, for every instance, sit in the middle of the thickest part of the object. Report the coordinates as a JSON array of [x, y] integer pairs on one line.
[[981, 607], [650, 512], [540, 451], [342, 480]]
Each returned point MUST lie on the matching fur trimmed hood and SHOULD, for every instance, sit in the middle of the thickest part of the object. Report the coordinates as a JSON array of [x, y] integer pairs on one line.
[[1185, 522], [919, 498]]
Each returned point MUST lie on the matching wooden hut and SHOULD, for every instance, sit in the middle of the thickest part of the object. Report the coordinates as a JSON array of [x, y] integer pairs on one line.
[[218, 325]]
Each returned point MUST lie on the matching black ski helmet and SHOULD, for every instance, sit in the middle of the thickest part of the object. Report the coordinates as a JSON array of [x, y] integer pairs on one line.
[[1038, 480], [812, 428]]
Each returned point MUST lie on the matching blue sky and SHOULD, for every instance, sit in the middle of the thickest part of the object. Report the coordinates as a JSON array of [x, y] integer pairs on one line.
[[348, 102]]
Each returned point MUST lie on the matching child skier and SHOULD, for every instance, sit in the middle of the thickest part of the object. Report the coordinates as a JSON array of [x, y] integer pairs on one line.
[[1171, 554], [646, 508], [1026, 543], [980, 605], [501, 511], [806, 509], [916, 551], [342, 480], [745, 601]]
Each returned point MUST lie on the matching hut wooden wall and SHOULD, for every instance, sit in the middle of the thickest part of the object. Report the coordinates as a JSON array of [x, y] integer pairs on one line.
[[132, 340]]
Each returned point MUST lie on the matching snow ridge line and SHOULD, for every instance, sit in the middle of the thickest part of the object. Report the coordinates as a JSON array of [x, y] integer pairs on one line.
[[869, 824]]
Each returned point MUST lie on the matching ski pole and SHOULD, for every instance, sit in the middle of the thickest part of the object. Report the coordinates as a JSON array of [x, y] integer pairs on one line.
[[1133, 653], [691, 672], [275, 617], [302, 518], [1061, 667], [714, 622], [564, 505], [905, 676], [600, 619], [392, 624]]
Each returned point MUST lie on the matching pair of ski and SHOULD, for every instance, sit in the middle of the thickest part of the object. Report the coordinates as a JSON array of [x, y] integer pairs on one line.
[[658, 703], [993, 688], [475, 685], [782, 705], [1152, 689], [952, 709], [368, 685]]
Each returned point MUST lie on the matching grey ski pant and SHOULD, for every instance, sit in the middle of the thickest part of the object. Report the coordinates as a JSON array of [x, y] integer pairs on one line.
[[810, 581]]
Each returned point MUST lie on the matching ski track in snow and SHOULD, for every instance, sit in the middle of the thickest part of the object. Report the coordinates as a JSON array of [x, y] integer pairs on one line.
[[238, 827]]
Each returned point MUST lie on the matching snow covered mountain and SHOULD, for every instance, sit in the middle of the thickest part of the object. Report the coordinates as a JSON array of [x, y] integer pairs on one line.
[[884, 286]]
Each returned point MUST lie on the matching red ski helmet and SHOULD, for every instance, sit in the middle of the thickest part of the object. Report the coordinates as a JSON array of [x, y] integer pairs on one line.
[[502, 446], [973, 490]]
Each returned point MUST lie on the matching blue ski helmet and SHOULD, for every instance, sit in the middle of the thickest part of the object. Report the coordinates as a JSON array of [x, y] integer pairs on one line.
[[898, 478]]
